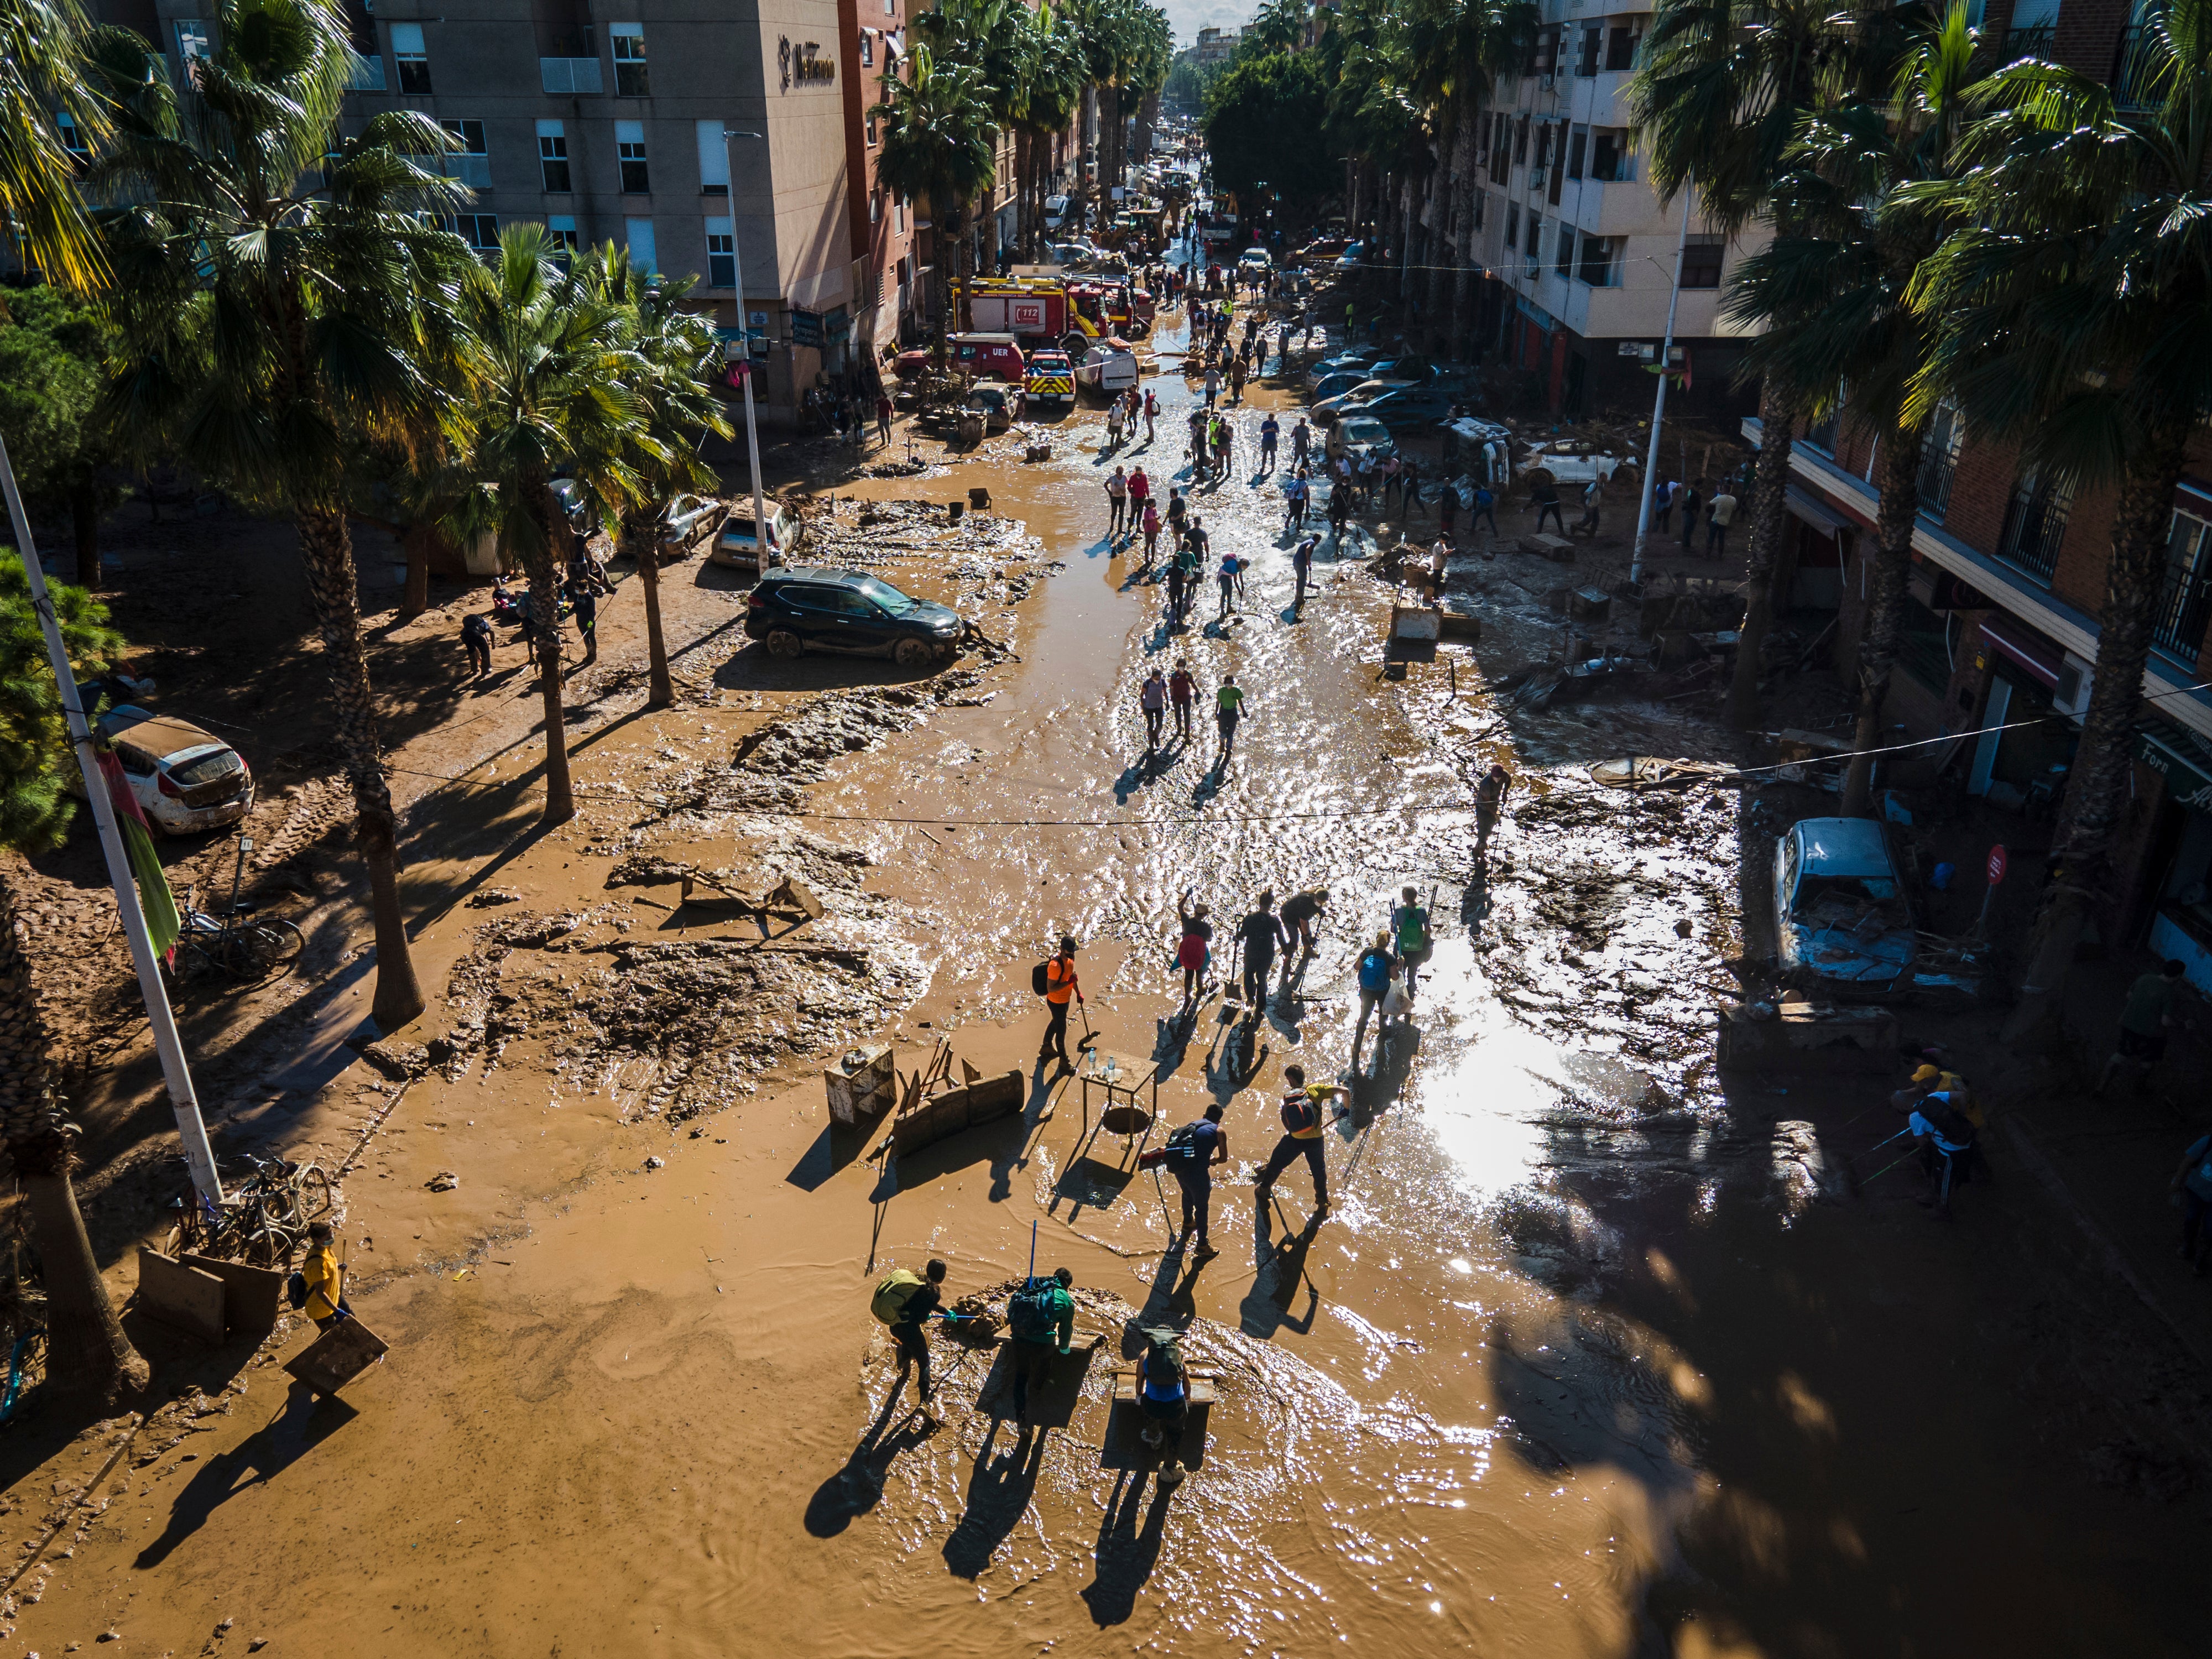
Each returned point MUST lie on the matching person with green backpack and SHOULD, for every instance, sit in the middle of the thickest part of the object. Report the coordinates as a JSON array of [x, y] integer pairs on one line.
[[903, 1300], [1040, 1322], [1163, 1396]]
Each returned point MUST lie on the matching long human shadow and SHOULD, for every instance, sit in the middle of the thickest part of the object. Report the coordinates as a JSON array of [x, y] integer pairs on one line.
[[998, 1496], [305, 1423], [1127, 1550], [1280, 1269], [858, 1487]]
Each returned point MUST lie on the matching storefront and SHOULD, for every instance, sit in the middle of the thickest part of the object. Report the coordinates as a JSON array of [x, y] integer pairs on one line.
[[2181, 917], [2022, 753]]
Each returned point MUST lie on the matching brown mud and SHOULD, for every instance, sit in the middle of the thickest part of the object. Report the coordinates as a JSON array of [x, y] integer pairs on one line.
[[1595, 1354]]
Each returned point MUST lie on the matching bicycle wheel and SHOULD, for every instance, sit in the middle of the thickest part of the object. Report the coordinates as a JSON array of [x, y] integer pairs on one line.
[[259, 948], [315, 1196]]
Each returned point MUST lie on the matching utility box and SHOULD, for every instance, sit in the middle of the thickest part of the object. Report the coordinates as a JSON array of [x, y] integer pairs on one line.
[[861, 1084], [1594, 602]]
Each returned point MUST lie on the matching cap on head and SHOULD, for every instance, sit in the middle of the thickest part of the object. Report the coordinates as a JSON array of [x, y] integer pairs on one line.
[[1067, 942], [1295, 1076], [1926, 1074], [1062, 1277], [935, 1270]]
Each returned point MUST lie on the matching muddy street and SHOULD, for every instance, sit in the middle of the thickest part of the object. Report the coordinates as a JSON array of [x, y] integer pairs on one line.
[[1598, 1352]]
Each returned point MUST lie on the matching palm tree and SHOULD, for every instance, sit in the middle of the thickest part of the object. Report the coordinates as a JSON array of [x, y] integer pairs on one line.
[[1835, 291], [677, 355], [42, 68], [279, 285], [940, 147], [553, 387], [2073, 313], [1050, 76], [1722, 90]]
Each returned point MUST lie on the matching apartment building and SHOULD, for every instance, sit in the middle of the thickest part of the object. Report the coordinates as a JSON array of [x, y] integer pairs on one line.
[[1579, 249], [2009, 581], [1215, 46], [605, 123], [872, 41]]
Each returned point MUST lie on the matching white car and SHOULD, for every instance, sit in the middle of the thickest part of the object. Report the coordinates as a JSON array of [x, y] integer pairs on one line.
[[1106, 371], [1055, 212], [686, 517], [184, 779], [1573, 460], [1255, 259], [738, 546], [1841, 918]]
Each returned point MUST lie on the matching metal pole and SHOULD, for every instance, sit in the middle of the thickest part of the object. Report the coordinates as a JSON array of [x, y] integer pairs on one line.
[[745, 339], [199, 1156], [1659, 401]]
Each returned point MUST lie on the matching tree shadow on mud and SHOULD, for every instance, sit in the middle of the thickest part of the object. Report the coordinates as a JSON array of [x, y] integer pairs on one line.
[[1127, 1550], [305, 1422], [998, 1496], [857, 1486]]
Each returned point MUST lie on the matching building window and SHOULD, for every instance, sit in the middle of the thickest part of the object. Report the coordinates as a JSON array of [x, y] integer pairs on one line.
[[1548, 50], [1621, 48], [1701, 261], [1609, 157], [875, 207], [867, 48], [1587, 63], [898, 216], [467, 160], [1512, 223], [871, 129], [629, 152], [1520, 141], [1578, 147], [1598, 269], [713, 160], [1544, 146], [640, 246], [1481, 202], [721, 253], [1821, 433], [480, 230], [2035, 524], [561, 231], [2184, 602], [1535, 235], [72, 137], [407, 52], [1939, 459], [195, 40], [553, 156], [1562, 259], [630, 60]]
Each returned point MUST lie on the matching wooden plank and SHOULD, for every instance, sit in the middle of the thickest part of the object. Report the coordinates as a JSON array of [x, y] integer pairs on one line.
[[337, 1355], [251, 1295], [187, 1297]]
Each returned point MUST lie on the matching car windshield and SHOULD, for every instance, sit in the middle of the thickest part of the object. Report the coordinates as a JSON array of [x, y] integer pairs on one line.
[[886, 596], [1360, 430], [1832, 894]]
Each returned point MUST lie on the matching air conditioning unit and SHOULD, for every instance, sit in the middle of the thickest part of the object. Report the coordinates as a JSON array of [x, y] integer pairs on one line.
[[1537, 176], [2070, 696], [1547, 81]]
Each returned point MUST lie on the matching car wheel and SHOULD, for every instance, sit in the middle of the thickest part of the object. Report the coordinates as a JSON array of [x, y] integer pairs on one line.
[[782, 642], [912, 654]]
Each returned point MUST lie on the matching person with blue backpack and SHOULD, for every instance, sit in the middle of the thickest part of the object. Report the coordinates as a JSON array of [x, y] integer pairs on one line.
[[1377, 965], [1192, 1152]]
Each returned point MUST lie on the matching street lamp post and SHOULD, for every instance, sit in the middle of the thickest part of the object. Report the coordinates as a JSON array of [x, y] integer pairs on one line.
[[1659, 401], [745, 339]]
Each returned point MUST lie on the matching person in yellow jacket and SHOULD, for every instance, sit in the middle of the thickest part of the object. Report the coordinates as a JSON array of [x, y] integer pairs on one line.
[[326, 1277], [1303, 1123]]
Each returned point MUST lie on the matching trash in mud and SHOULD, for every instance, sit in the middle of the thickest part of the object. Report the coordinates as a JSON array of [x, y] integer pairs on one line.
[[444, 1182]]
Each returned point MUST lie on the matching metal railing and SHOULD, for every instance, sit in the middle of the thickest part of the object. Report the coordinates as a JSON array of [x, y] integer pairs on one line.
[[2033, 41], [2185, 600], [2034, 526], [2131, 65]]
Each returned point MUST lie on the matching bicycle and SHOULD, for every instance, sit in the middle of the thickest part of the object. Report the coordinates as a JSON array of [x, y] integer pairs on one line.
[[238, 942], [264, 1218]]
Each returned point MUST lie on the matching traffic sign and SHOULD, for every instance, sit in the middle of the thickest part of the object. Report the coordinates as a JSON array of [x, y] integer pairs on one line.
[[1996, 864]]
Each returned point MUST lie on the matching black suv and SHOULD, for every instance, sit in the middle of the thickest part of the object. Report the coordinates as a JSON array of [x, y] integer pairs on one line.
[[818, 608]]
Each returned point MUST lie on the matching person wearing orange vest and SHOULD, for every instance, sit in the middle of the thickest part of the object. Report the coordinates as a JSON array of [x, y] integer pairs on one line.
[[1060, 985], [1303, 1121]]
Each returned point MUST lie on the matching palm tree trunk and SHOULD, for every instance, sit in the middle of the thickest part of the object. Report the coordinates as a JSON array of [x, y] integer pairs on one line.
[[84, 530], [87, 1353], [638, 541], [1463, 297], [418, 541], [1770, 519], [1443, 240], [546, 612], [326, 550], [2097, 783], [1885, 588]]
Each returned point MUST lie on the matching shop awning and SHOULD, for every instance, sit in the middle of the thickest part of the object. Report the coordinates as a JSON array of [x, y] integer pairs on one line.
[[2182, 765], [2042, 660], [1801, 502]]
